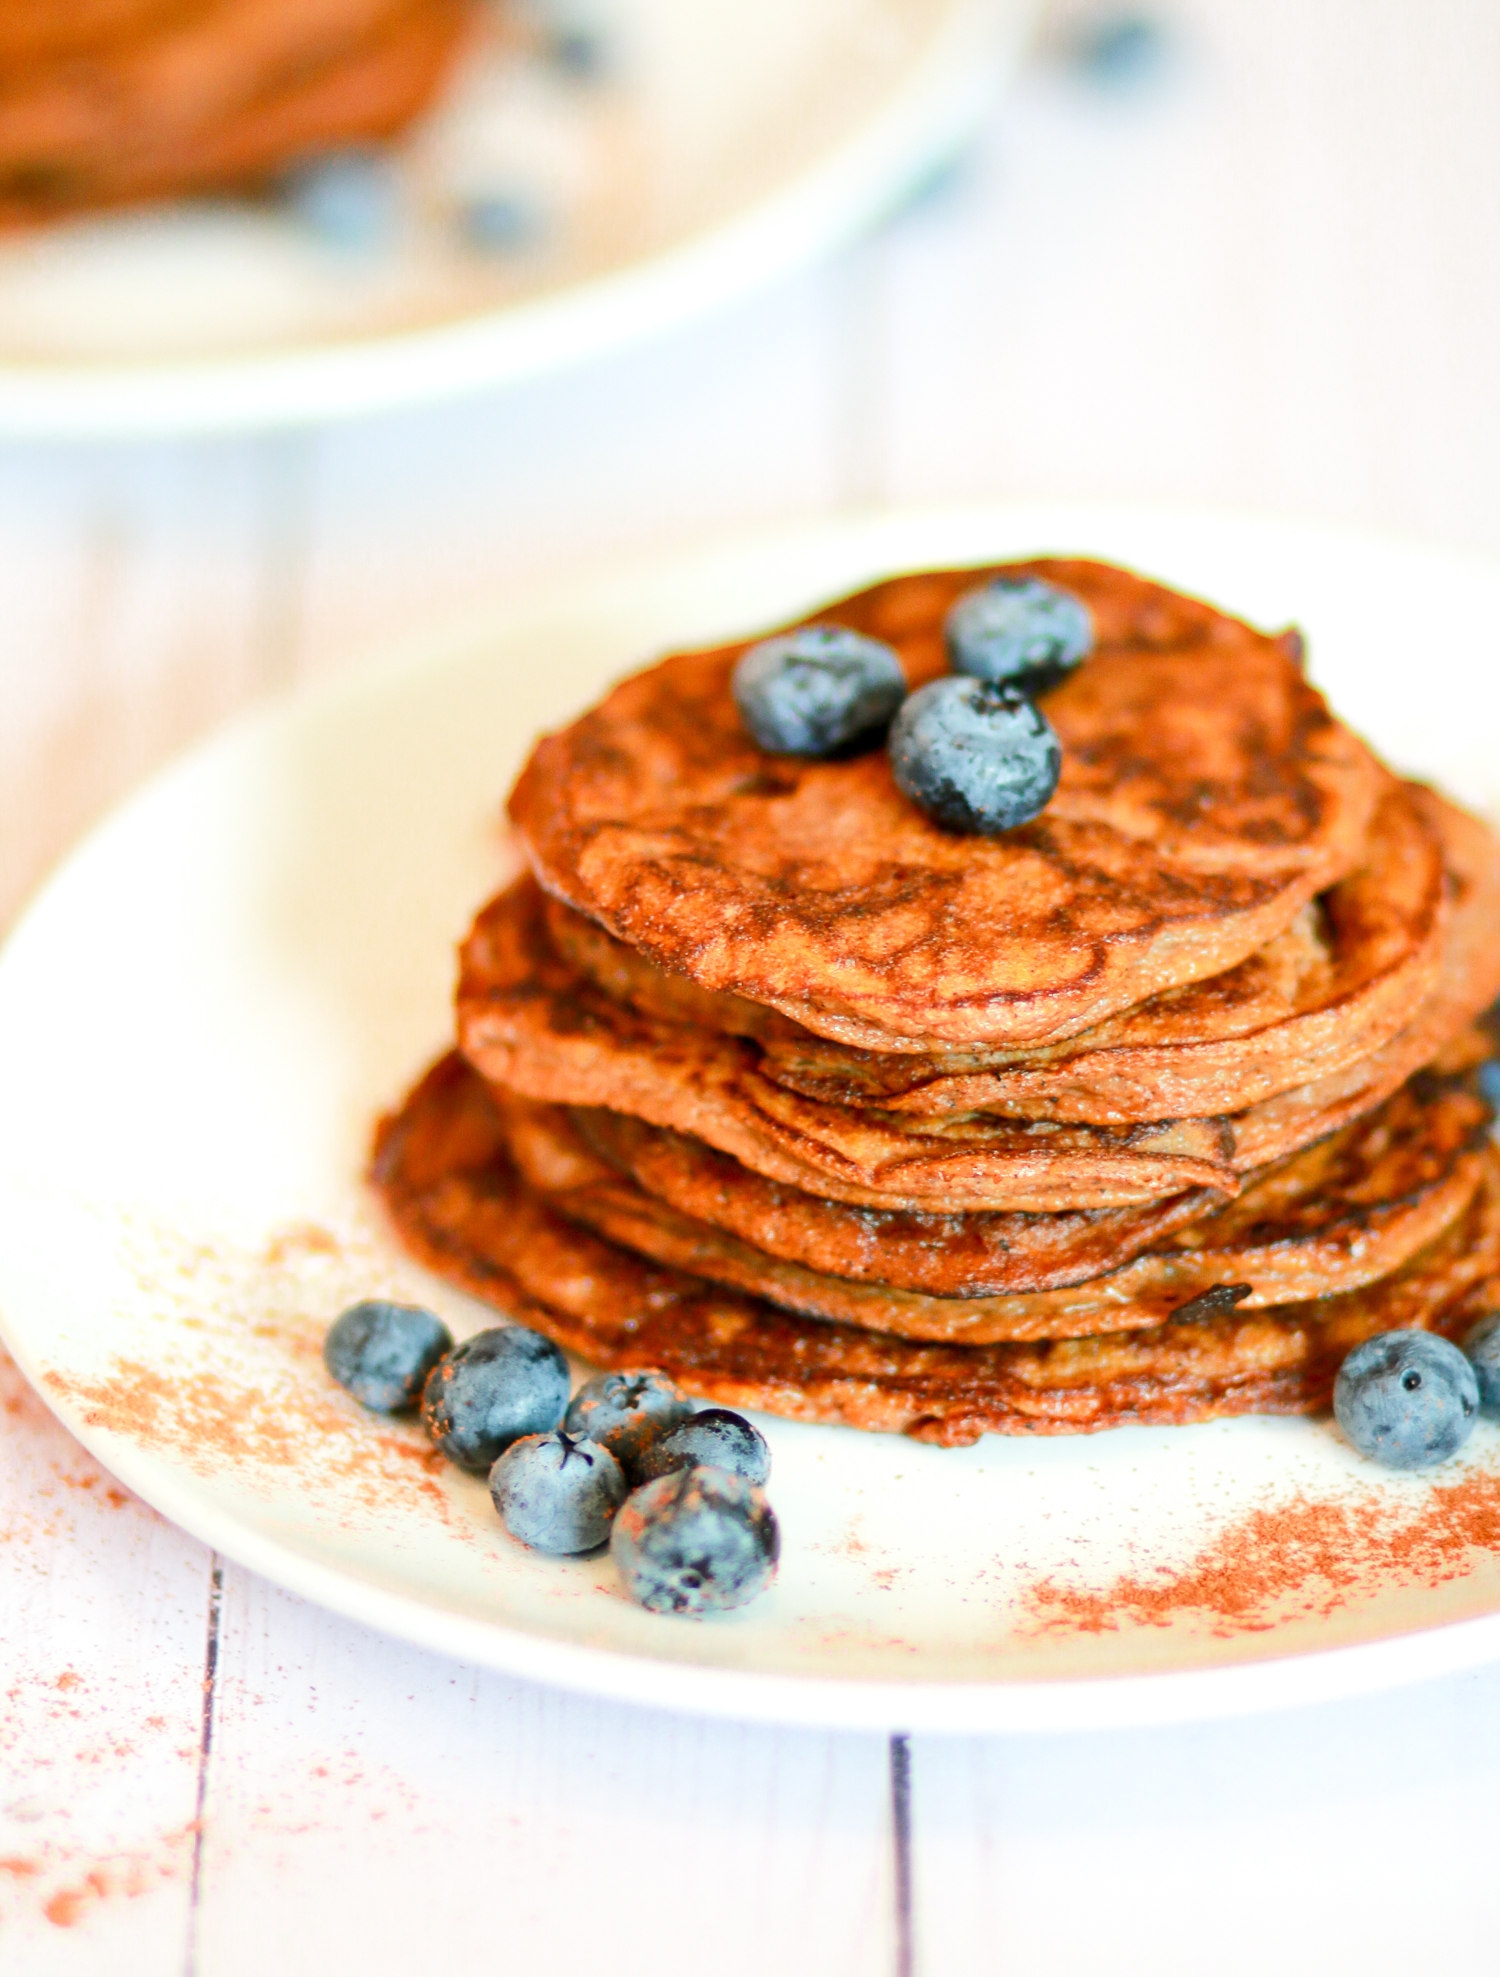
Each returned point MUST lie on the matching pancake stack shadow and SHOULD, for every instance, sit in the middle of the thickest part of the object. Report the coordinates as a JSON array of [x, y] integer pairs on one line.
[[1147, 1111]]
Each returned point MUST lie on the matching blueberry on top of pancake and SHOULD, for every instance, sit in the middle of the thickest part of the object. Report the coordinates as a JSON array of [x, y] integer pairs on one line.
[[975, 757], [1206, 794], [1017, 631], [820, 691]]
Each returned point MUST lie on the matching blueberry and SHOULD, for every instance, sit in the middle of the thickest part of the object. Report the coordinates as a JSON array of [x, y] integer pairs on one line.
[[625, 1412], [699, 1540], [1407, 1399], [349, 199], [716, 1436], [382, 1353], [1482, 1350], [817, 691], [1488, 1075], [975, 757], [1120, 50], [579, 50], [491, 1390], [1018, 631], [499, 222], [556, 1493]]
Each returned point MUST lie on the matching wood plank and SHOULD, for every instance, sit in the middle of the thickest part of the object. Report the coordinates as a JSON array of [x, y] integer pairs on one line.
[[1267, 277], [727, 424], [138, 588], [101, 1668], [372, 1805], [1357, 1836]]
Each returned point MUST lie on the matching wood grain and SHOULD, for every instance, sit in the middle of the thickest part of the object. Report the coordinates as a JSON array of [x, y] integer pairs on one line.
[[372, 1806], [1263, 1842], [101, 1658]]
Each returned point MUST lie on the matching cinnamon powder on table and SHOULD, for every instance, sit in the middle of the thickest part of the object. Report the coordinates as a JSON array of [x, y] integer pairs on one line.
[[65, 1885]]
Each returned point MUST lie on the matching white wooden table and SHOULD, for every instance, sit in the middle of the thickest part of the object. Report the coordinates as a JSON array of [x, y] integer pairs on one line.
[[1271, 278]]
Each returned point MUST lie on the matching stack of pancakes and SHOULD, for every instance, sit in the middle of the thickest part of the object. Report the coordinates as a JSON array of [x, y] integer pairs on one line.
[[1145, 1111], [108, 101]]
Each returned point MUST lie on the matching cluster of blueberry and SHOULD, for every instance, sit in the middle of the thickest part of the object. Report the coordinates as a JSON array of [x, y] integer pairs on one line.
[[1409, 1399], [354, 201], [972, 749], [359, 199], [675, 1491]]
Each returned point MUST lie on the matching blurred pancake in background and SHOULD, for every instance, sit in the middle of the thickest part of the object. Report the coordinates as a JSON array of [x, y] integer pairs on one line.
[[107, 102], [218, 215]]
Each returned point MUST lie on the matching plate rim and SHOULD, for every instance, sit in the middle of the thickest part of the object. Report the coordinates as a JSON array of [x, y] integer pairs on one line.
[[1065, 1705], [940, 1705]]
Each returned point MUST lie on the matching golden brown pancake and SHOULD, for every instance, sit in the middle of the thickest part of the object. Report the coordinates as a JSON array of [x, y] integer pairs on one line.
[[103, 103], [529, 1020], [1206, 796], [460, 1206], [1145, 1112], [940, 1254], [1339, 1215], [1331, 988], [1467, 984]]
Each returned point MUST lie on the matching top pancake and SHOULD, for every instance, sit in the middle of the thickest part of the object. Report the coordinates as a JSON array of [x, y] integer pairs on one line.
[[1331, 988], [1206, 795]]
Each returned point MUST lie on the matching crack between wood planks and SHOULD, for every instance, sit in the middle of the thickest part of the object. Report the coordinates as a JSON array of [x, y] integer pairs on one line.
[[205, 1750], [901, 1850]]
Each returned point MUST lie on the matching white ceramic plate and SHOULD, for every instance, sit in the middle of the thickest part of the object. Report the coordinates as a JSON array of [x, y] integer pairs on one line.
[[721, 146], [204, 1012]]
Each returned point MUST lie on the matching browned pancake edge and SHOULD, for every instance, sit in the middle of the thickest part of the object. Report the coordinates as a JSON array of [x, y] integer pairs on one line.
[[1338, 1216], [529, 1020], [459, 1205], [1339, 982]]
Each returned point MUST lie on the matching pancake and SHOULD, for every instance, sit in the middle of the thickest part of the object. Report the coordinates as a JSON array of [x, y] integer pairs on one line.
[[104, 104], [1331, 988], [944, 1255], [530, 1020], [988, 1255], [460, 1206], [1467, 984], [1338, 1216], [1206, 796]]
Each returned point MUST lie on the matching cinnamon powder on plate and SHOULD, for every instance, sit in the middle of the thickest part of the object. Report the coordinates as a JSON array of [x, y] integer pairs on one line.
[[1303, 1555]]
